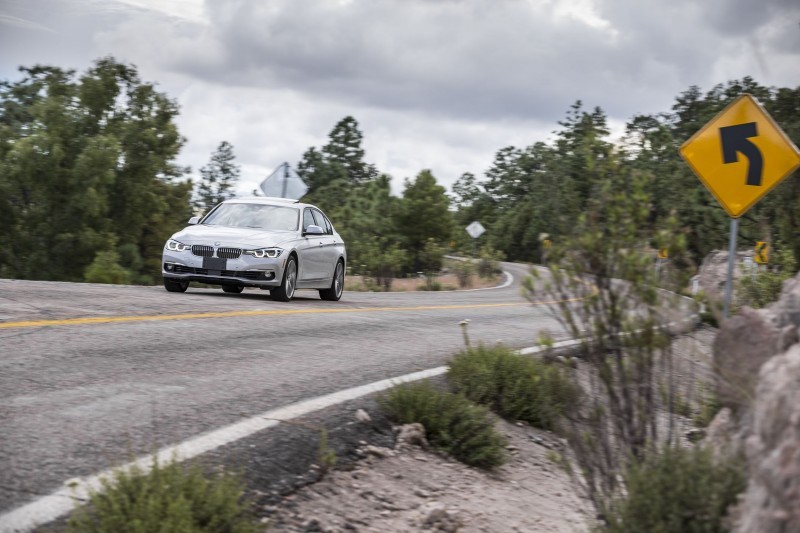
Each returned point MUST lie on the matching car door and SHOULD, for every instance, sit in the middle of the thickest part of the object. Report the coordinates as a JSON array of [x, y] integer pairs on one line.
[[330, 250], [311, 251]]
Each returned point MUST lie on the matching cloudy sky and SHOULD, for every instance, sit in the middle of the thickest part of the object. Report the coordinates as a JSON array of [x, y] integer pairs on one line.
[[439, 84]]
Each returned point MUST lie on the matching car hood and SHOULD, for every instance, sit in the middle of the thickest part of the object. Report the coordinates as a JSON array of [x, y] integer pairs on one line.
[[234, 237]]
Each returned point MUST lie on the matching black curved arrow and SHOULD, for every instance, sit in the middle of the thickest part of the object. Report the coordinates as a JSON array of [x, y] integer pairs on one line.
[[734, 140]]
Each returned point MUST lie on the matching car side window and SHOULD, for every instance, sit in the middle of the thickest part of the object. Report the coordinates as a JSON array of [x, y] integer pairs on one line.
[[308, 219], [324, 223]]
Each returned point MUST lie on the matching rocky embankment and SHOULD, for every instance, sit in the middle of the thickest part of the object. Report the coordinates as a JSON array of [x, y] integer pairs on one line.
[[757, 368]]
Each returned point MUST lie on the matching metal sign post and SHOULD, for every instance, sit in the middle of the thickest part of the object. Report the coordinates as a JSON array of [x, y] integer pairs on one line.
[[731, 259]]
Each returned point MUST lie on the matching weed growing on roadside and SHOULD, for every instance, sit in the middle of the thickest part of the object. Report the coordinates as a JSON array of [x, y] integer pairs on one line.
[[326, 456], [452, 423], [168, 498], [514, 386], [679, 489]]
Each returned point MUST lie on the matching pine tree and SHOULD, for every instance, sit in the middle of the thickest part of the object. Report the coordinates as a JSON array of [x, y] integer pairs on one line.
[[217, 179]]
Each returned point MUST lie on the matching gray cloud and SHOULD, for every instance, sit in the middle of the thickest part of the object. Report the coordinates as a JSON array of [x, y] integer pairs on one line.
[[456, 79]]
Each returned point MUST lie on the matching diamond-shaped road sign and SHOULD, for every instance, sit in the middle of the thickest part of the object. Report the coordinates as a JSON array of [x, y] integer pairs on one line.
[[762, 253], [741, 155], [475, 229], [284, 183]]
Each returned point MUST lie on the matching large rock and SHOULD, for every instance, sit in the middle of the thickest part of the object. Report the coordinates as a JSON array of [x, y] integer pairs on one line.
[[772, 500], [757, 358], [746, 341], [714, 271]]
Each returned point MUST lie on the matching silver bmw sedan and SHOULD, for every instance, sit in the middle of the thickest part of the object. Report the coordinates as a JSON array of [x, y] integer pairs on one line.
[[272, 243]]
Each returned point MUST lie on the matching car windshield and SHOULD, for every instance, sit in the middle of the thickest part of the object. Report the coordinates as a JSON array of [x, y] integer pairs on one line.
[[268, 217]]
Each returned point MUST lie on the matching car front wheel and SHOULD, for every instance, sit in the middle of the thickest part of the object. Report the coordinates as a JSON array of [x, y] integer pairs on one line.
[[337, 285], [175, 286], [285, 292]]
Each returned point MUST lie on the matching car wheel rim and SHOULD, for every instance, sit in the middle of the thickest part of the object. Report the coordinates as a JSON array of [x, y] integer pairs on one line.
[[339, 275], [290, 279]]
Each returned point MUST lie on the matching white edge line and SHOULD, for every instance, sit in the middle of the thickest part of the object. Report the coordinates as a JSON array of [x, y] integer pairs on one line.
[[76, 491], [509, 280]]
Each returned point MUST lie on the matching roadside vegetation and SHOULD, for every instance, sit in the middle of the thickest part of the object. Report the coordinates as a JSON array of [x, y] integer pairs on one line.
[[516, 387], [170, 497], [455, 274], [626, 453], [685, 490], [483, 380], [452, 423], [764, 286]]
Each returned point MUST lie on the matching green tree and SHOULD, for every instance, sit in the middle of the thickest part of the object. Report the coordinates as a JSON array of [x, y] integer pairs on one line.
[[340, 160], [344, 148], [424, 214], [471, 202], [85, 163], [217, 179]]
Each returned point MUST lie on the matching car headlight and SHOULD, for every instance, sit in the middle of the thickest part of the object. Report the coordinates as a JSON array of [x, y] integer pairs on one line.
[[272, 253], [176, 246]]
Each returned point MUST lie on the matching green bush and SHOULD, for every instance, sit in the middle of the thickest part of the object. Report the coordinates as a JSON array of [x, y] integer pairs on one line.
[[515, 386], [430, 285], [106, 269], [452, 423], [463, 271], [168, 498], [765, 287], [489, 263], [678, 490]]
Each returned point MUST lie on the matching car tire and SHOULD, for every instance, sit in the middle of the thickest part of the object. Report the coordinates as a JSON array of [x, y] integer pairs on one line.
[[175, 286], [233, 289], [334, 292], [285, 291]]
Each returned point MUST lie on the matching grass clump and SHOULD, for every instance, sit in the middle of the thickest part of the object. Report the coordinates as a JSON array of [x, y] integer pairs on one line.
[[452, 423], [677, 490], [168, 498], [514, 386]]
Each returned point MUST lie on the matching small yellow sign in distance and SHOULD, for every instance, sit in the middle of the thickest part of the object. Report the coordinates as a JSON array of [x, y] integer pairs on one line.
[[547, 243], [741, 155], [663, 253], [762, 253]]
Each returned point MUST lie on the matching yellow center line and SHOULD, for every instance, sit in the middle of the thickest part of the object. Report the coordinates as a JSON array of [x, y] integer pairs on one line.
[[229, 314]]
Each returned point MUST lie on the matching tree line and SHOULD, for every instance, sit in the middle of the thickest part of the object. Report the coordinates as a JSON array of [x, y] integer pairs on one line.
[[90, 188]]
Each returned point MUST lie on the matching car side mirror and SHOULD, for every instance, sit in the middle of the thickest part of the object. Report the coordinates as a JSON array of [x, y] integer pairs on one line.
[[313, 230], [194, 220]]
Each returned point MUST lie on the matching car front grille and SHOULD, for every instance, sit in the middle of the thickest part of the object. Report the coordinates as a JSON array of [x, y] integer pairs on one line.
[[202, 250], [224, 253], [229, 253]]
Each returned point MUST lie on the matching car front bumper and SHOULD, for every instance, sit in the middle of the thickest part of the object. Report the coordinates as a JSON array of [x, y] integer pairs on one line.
[[246, 270]]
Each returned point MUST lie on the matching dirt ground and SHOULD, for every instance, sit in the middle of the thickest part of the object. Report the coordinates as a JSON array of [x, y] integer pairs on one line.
[[411, 489], [448, 282]]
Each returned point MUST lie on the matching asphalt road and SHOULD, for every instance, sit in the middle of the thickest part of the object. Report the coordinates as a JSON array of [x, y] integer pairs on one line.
[[92, 375]]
